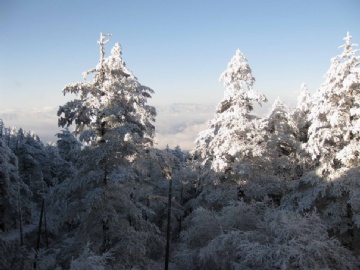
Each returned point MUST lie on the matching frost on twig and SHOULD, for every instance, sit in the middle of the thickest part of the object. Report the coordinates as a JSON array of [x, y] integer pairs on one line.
[[100, 67]]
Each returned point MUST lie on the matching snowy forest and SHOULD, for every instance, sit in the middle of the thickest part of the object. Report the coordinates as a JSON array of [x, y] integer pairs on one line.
[[274, 192]]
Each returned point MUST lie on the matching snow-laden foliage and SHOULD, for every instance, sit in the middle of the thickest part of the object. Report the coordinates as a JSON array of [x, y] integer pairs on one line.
[[332, 187], [252, 236], [287, 158], [112, 107], [106, 201], [258, 154], [301, 113], [277, 192], [334, 133], [1, 128], [113, 216], [33, 162], [338, 199], [68, 145], [88, 260], [13, 192], [60, 169], [278, 119], [232, 125], [239, 82], [275, 154]]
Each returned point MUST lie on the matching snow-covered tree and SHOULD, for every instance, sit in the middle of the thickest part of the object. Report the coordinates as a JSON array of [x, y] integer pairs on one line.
[[254, 236], [257, 154], [102, 201], [112, 107], [111, 115], [334, 133], [336, 200], [334, 145], [283, 146], [301, 113], [60, 169], [10, 137], [13, 192], [9, 178], [68, 145], [233, 126], [239, 93], [34, 165], [89, 260], [1, 128]]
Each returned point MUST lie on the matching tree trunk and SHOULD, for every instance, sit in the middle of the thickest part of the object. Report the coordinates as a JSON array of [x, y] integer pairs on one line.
[[46, 232], [2, 205], [21, 230], [168, 232], [20, 216], [181, 203], [39, 232]]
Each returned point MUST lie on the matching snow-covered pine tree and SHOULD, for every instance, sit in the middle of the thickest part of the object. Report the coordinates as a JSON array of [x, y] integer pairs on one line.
[[112, 107], [114, 121], [68, 145], [13, 192], [9, 137], [282, 142], [60, 169], [1, 128], [333, 187], [33, 162], [334, 133], [301, 113], [279, 120], [233, 128]]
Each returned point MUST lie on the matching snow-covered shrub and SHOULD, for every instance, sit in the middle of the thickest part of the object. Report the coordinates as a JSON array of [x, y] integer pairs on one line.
[[88, 260], [253, 236]]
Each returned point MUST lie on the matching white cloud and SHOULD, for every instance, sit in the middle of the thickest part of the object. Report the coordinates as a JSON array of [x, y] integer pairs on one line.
[[42, 121], [176, 124], [179, 124], [185, 138]]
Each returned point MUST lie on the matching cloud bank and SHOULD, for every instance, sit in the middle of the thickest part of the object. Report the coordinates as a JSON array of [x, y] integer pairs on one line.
[[176, 124]]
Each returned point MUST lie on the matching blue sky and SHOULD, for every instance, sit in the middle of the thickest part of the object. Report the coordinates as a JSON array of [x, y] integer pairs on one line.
[[178, 48]]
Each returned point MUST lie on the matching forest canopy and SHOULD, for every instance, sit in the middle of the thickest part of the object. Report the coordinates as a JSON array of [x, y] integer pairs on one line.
[[275, 192]]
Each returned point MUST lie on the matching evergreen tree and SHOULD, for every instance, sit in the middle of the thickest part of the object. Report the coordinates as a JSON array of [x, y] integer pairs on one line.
[[233, 126], [14, 194], [282, 147], [34, 165], [1, 129], [68, 145], [301, 113], [113, 107], [334, 138], [334, 133], [113, 120]]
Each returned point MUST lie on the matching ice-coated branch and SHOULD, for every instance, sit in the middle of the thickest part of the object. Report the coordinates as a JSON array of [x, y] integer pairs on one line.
[[102, 42], [347, 38], [100, 67], [348, 46]]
